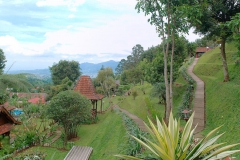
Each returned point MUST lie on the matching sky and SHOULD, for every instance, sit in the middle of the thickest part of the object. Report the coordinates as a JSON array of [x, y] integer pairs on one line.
[[35, 34]]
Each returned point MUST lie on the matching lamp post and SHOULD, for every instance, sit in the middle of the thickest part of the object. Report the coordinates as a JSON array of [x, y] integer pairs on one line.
[[186, 114]]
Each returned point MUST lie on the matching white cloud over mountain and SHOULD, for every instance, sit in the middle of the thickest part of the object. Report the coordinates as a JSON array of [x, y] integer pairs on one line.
[[37, 34]]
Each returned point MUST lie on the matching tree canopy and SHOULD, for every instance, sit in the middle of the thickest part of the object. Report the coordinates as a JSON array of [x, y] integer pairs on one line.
[[16, 83], [63, 69], [105, 79], [2, 61], [70, 109], [211, 21]]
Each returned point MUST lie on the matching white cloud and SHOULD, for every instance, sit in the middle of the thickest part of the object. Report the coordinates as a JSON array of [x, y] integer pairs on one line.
[[107, 36], [117, 2], [72, 4], [115, 37], [121, 5], [71, 16], [11, 45], [191, 36]]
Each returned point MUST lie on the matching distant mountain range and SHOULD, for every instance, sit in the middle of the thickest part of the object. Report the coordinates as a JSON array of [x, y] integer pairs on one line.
[[89, 69]]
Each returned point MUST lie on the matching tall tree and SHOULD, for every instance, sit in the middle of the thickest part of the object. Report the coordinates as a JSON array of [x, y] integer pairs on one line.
[[106, 80], [191, 48], [150, 53], [135, 57], [213, 18], [134, 75], [234, 25], [168, 21], [137, 51], [120, 67], [63, 69], [2, 61], [15, 83], [66, 84]]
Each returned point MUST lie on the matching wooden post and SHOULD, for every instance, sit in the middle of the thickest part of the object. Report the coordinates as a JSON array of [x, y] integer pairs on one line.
[[93, 103], [96, 106], [101, 105]]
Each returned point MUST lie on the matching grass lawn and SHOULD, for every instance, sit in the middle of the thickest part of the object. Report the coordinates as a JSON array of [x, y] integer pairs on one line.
[[52, 153], [222, 99], [105, 104], [139, 106], [106, 138]]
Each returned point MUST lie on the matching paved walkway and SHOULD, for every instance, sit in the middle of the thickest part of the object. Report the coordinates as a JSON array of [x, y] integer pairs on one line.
[[199, 102], [199, 106], [57, 136], [135, 118]]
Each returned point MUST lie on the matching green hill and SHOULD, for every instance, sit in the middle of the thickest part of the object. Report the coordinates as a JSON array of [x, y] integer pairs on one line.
[[222, 98]]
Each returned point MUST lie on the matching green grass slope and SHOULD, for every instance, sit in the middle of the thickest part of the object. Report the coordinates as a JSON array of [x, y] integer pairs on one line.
[[222, 98], [140, 108], [107, 137]]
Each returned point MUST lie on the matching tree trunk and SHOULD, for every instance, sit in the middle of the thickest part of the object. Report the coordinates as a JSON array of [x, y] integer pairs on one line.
[[168, 104], [224, 60], [165, 105], [171, 68]]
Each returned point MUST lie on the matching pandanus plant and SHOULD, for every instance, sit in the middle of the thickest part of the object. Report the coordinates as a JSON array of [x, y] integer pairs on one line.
[[169, 143]]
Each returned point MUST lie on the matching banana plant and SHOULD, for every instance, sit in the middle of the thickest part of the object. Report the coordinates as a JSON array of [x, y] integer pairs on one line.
[[169, 143]]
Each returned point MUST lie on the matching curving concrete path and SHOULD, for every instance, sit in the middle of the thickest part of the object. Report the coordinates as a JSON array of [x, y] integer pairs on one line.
[[199, 102], [135, 118], [199, 105]]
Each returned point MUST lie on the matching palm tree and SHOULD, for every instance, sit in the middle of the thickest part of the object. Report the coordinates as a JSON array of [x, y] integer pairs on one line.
[[18, 82], [9, 82], [168, 143]]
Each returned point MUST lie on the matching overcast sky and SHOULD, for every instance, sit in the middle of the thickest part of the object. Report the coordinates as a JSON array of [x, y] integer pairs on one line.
[[36, 33]]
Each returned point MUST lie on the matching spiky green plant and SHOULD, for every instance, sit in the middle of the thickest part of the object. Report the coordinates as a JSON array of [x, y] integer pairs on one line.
[[168, 143], [18, 82]]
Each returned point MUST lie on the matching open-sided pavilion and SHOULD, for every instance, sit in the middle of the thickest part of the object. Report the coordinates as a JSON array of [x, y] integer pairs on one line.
[[86, 88]]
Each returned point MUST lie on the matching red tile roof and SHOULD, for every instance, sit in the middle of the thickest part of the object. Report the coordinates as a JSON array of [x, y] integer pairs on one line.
[[29, 95], [37, 100], [6, 114], [85, 87], [10, 108], [202, 49], [5, 128], [6, 104]]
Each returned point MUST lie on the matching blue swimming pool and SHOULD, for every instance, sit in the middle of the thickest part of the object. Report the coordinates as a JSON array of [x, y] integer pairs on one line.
[[17, 112]]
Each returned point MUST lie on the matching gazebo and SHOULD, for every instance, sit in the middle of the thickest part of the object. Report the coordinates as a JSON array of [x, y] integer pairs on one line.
[[6, 121], [86, 88]]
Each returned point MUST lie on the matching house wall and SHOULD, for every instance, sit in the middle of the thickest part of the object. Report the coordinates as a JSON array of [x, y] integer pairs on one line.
[[3, 119]]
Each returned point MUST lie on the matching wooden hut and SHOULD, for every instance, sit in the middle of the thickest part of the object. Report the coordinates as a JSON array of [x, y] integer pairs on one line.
[[201, 50], [86, 88], [6, 121]]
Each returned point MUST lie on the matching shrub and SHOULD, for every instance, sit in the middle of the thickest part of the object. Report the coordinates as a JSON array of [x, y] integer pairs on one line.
[[132, 147], [188, 96], [169, 143], [70, 109], [134, 94]]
